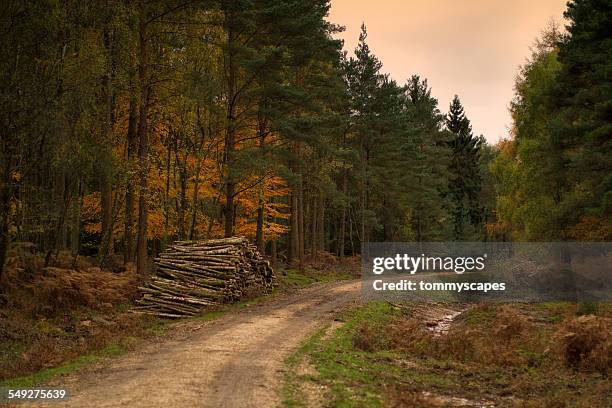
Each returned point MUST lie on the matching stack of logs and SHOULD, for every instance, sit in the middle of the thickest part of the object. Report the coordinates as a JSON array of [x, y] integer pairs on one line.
[[191, 275]]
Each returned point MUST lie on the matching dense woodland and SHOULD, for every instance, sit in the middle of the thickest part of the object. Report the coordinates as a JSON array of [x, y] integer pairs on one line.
[[126, 125]]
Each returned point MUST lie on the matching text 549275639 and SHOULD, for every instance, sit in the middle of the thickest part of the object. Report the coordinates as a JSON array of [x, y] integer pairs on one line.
[[8, 394]]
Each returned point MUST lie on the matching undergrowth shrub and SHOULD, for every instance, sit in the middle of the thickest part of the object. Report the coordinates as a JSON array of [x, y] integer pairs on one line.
[[52, 314], [586, 343], [587, 308], [33, 289], [503, 338], [367, 338]]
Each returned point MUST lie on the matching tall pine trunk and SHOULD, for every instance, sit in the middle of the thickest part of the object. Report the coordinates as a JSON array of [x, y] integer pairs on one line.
[[321, 222], [5, 199], [230, 131], [75, 228], [182, 203], [294, 233], [314, 248], [343, 216], [196, 184], [167, 195], [194, 203], [128, 234], [143, 149], [259, 236], [301, 223], [106, 189]]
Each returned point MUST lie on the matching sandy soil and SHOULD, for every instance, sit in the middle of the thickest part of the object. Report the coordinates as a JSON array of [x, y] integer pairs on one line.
[[235, 361]]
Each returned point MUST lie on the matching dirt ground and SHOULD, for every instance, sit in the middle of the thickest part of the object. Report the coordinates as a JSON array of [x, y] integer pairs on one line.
[[235, 361]]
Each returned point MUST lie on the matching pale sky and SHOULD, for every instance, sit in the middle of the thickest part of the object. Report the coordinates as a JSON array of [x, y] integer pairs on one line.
[[471, 48]]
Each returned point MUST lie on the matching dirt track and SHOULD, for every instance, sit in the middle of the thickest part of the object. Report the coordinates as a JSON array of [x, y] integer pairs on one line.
[[236, 361]]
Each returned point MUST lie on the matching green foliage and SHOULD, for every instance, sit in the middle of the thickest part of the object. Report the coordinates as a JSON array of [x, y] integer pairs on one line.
[[581, 129], [525, 201], [554, 177], [399, 155], [425, 168], [465, 175]]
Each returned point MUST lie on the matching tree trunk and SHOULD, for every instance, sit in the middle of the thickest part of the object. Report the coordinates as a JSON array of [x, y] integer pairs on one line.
[[259, 241], [307, 225], [75, 229], [273, 253], [364, 204], [229, 209], [343, 216], [362, 226], [182, 205], [196, 186], [351, 232], [62, 237], [301, 223], [65, 199], [143, 149], [230, 137], [5, 199], [259, 236], [106, 197], [194, 206], [128, 234], [321, 223], [294, 234], [314, 230], [167, 194]]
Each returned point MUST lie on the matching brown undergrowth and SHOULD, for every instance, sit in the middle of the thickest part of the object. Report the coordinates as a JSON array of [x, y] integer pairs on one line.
[[541, 356], [49, 315], [502, 355]]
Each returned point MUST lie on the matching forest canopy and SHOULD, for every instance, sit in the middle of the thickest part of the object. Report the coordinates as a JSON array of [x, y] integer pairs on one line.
[[127, 125]]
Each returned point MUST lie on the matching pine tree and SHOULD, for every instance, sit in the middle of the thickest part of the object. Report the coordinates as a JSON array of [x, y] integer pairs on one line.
[[363, 79], [465, 183], [456, 120], [427, 156], [581, 129]]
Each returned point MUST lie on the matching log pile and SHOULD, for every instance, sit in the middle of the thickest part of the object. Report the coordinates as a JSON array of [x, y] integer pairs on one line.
[[191, 275]]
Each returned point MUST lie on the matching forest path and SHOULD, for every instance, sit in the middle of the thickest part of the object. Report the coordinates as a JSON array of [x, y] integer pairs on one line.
[[235, 361]]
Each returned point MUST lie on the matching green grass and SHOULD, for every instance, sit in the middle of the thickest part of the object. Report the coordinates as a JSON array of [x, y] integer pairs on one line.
[[353, 378], [291, 393], [479, 315], [295, 278]]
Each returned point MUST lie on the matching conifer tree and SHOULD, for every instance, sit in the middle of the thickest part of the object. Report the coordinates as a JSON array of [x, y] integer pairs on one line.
[[580, 103], [465, 177], [363, 79], [426, 170]]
